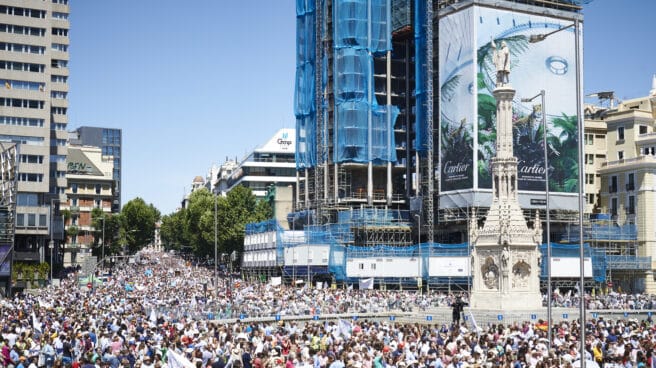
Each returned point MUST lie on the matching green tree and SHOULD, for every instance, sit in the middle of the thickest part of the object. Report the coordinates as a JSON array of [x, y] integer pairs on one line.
[[112, 227], [199, 222], [172, 231], [138, 221], [237, 209]]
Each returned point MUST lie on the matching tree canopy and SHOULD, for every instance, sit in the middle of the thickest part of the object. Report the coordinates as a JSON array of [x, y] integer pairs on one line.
[[193, 228]]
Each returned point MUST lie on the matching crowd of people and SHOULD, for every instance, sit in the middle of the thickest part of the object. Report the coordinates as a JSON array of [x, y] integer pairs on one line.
[[163, 312]]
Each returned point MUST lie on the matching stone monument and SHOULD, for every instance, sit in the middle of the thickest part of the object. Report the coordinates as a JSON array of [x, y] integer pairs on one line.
[[505, 257]]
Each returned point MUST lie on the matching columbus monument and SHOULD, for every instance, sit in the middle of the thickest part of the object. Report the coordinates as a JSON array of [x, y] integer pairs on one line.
[[505, 257]]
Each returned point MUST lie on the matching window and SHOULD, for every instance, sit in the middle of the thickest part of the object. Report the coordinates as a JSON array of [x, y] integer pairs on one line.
[[620, 133], [589, 178], [58, 110], [20, 121], [361, 266], [27, 199], [22, 48], [60, 32], [612, 188], [58, 95], [25, 67], [589, 139], [16, 84], [620, 155], [642, 129], [59, 15], [31, 177], [589, 159], [74, 187], [59, 47], [613, 206], [98, 203], [21, 30], [98, 188], [63, 2], [630, 182], [373, 266], [43, 220], [591, 198], [58, 78], [31, 159], [57, 63], [23, 12], [31, 220], [631, 206], [20, 219]]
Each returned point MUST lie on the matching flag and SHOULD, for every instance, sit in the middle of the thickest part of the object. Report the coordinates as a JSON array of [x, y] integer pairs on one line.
[[319, 285], [176, 360], [153, 316], [350, 287], [471, 315], [367, 283], [276, 281], [35, 322], [345, 328]]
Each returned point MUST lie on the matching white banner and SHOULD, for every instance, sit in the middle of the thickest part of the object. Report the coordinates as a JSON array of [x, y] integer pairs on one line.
[[367, 283], [276, 281], [176, 360]]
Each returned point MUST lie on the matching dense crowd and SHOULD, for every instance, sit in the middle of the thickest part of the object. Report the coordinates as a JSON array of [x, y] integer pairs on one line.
[[162, 311]]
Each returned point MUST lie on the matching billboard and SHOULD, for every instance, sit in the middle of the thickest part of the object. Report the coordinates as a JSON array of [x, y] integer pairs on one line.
[[448, 266], [570, 267], [468, 108]]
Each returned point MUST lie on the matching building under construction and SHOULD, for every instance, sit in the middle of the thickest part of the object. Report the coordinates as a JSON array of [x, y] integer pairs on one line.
[[373, 130], [395, 124]]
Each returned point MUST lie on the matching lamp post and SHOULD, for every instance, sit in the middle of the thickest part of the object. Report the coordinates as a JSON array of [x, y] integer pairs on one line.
[[51, 244], [216, 280], [546, 203], [579, 117], [102, 258], [419, 275]]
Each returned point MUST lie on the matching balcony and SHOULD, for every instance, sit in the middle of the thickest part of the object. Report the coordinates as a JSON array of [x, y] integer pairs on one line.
[[630, 187], [628, 163], [612, 189], [75, 209]]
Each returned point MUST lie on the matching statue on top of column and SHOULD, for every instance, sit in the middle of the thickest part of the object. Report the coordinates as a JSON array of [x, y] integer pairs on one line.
[[501, 58]]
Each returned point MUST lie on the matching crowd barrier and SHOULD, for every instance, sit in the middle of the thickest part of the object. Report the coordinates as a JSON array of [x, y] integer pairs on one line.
[[443, 315]]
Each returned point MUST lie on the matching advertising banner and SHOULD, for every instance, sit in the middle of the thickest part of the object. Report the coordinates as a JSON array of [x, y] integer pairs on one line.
[[549, 65], [457, 100], [468, 107]]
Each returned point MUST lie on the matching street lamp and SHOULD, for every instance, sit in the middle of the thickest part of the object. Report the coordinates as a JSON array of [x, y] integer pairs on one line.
[[419, 275], [102, 258], [216, 279], [51, 244], [579, 117], [546, 202]]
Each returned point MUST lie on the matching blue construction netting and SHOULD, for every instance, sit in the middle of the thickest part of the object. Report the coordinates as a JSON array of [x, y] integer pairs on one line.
[[369, 216], [421, 141], [364, 131], [597, 256], [262, 227], [338, 237], [602, 232], [304, 94]]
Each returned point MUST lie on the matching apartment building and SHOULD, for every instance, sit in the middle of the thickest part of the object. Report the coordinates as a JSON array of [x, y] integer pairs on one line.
[[91, 184], [628, 180], [34, 55]]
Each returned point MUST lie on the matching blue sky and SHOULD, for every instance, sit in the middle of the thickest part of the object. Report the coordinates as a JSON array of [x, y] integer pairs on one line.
[[191, 83]]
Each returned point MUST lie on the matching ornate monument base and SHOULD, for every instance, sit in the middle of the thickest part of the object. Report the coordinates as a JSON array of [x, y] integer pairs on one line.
[[505, 256]]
